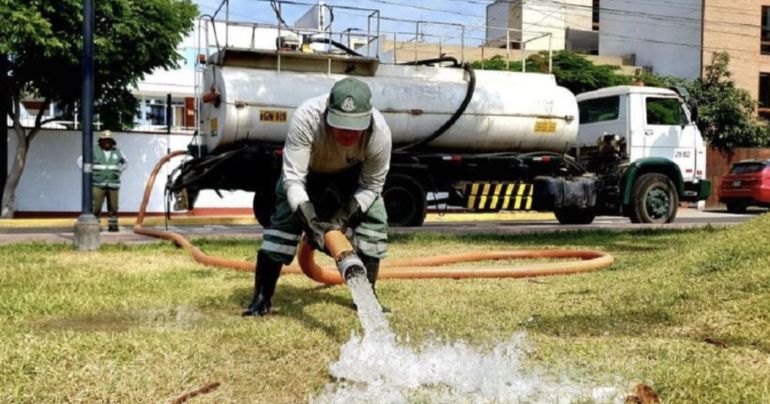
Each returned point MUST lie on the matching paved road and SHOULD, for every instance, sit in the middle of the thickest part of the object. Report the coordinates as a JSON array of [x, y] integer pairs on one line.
[[688, 218]]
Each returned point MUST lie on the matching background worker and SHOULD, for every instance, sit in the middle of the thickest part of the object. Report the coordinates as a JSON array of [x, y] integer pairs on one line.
[[108, 164], [335, 160]]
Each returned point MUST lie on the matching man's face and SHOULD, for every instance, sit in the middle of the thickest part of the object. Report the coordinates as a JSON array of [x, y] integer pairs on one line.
[[105, 144], [345, 137]]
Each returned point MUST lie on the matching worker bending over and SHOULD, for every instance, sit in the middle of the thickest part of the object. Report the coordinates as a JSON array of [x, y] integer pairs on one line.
[[335, 160]]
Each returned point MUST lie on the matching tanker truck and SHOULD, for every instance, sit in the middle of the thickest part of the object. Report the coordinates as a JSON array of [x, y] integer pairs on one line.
[[473, 139]]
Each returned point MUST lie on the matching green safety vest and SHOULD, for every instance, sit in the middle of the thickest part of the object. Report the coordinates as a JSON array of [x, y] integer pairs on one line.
[[106, 172]]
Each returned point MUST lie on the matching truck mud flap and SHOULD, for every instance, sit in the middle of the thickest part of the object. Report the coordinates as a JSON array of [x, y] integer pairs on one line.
[[552, 193], [495, 196]]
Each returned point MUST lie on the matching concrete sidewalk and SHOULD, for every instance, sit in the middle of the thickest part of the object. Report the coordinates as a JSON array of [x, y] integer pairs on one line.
[[60, 230], [8, 225]]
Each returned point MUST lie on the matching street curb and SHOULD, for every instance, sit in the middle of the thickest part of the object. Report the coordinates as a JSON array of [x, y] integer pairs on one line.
[[249, 220], [130, 221]]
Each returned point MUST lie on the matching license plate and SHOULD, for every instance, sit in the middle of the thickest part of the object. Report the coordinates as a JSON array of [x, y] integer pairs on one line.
[[736, 184]]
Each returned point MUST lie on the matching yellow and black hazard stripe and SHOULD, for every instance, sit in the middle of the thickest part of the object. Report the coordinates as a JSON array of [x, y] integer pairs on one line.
[[494, 196]]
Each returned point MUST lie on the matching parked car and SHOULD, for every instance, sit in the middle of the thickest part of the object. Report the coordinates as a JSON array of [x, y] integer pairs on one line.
[[747, 184]]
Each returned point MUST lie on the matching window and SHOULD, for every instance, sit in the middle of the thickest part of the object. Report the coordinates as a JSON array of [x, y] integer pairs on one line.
[[599, 109], [764, 95], [748, 168], [765, 38], [595, 7], [664, 111]]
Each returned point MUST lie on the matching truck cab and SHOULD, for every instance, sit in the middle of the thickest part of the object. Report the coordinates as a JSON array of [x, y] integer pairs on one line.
[[656, 133]]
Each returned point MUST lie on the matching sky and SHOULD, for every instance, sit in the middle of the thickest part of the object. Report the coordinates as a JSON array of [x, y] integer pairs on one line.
[[466, 12]]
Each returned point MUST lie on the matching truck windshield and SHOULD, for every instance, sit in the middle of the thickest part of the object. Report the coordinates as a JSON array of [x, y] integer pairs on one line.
[[599, 109], [664, 111]]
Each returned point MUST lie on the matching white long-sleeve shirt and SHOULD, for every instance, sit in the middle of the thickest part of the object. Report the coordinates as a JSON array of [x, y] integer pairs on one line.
[[311, 147], [108, 154]]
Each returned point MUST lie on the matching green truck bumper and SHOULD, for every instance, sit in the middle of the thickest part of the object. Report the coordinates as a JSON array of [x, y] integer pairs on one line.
[[697, 191]]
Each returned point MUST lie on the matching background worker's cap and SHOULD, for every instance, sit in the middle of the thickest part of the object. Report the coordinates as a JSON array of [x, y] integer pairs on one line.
[[106, 135], [350, 105]]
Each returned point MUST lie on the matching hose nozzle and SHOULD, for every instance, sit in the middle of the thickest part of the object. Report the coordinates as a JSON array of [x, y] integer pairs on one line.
[[348, 263]]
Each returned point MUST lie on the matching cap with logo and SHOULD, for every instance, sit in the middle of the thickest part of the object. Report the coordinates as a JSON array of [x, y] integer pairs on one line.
[[350, 105], [106, 135]]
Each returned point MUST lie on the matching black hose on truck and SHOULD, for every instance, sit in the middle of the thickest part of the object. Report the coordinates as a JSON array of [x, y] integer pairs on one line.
[[457, 114]]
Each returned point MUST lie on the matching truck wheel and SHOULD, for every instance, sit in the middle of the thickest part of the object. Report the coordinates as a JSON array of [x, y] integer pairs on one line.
[[404, 201], [736, 207], [654, 199], [573, 215], [264, 207]]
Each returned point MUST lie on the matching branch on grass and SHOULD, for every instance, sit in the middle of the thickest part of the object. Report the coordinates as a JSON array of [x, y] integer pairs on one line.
[[203, 390]]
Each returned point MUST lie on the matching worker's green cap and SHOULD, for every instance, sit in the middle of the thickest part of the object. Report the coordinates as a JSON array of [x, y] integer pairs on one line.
[[350, 105]]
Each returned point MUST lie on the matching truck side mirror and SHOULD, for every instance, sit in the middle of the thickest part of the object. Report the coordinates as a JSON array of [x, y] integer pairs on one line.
[[694, 112]]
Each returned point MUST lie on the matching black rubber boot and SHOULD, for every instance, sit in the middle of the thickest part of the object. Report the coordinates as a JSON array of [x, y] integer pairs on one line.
[[112, 224], [372, 271], [265, 279]]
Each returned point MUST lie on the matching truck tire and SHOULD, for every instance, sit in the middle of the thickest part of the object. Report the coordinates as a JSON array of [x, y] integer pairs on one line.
[[654, 199], [405, 201], [737, 207], [264, 207], [573, 215]]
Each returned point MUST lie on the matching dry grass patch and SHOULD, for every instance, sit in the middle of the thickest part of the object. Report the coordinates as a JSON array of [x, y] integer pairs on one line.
[[685, 312]]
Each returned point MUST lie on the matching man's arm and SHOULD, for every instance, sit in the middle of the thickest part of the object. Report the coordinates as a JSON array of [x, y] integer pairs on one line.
[[296, 157], [123, 162]]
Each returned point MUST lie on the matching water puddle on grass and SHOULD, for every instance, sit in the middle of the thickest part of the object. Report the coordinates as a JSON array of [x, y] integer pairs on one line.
[[377, 368], [176, 317]]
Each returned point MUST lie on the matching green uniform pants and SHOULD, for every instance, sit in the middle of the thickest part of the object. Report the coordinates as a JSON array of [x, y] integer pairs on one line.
[[111, 194], [280, 238]]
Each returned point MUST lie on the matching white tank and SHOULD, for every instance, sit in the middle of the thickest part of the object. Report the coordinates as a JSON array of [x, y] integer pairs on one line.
[[508, 112]]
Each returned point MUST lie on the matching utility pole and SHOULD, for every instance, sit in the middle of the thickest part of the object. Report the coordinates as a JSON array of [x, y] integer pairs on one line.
[[5, 103], [87, 226]]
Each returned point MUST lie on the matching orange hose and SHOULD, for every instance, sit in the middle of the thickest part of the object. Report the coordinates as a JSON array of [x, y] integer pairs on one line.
[[418, 268], [177, 238]]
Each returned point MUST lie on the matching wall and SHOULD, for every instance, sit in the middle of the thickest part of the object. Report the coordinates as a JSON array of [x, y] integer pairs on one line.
[[578, 14], [539, 18], [498, 17], [52, 181], [718, 164], [404, 51], [734, 26], [662, 35]]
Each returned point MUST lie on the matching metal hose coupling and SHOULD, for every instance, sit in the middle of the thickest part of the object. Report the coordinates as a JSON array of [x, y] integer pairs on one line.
[[350, 265]]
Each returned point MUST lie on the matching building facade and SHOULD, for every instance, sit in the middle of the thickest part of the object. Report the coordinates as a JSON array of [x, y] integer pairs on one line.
[[741, 28], [569, 23], [679, 38]]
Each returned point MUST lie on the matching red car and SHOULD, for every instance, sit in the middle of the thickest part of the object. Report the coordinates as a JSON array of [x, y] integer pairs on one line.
[[747, 184]]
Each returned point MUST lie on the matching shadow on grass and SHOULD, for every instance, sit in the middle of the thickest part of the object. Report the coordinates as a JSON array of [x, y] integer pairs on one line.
[[638, 240], [619, 323], [171, 316], [291, 301]]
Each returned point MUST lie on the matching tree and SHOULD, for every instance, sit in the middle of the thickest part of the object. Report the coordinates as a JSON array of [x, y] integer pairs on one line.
[[578, 74], [726, 113], [572, 70], [43, 41]]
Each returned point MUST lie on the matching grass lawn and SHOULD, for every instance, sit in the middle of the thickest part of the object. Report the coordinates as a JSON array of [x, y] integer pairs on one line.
[[685, 312]]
